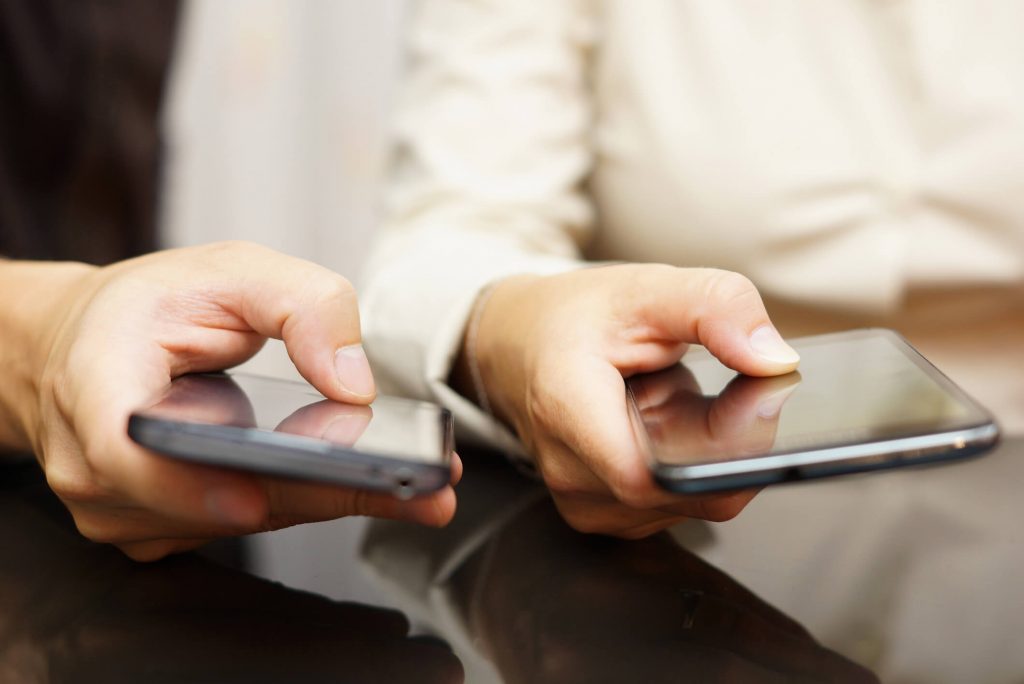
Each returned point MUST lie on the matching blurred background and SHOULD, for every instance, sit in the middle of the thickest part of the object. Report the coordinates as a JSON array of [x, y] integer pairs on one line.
[[276, 125]]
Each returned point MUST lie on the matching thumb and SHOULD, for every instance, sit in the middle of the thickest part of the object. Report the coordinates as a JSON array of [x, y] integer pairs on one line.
[[721, 310]]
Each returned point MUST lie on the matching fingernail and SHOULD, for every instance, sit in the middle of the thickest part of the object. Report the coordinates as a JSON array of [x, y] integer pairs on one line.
[[772, 404], [769, 345], [354, 370], [227, 506]]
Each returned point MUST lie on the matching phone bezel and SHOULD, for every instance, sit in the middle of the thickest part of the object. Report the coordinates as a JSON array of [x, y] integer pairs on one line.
[[839, 458]]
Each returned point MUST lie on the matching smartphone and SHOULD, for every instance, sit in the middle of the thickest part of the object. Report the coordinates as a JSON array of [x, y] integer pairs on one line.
[[861, 400], [288, 429]]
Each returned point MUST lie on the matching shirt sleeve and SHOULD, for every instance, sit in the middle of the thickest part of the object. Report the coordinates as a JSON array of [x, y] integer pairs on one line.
[[492, 151]]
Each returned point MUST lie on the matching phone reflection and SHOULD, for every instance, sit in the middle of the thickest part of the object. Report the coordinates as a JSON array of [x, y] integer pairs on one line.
[[524, 598], [217, 399], [683, 425], [75, 611]]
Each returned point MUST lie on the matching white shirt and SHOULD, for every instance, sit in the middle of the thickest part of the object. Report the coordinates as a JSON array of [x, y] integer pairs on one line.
[[862, 162]]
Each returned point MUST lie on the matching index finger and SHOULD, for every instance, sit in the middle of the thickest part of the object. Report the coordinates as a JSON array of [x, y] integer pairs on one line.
[[311, 308], [721, 310]]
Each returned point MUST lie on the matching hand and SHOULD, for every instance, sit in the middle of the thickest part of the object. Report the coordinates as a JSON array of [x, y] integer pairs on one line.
[[553, 352], [117, 335]]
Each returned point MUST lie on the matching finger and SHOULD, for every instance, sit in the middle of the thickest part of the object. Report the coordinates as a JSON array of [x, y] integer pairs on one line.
[[147, 551], [564, 473], [98, 404], [312, 309], [719, 309], [644, 531], [714, 507], [293, 503], [591, 418], [456, 466], [121, 523], [593, 514], [588, 504], [602, 513]]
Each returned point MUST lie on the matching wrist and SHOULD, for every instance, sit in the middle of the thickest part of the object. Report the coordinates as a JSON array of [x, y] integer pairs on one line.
[[493, 347], [37, 297]]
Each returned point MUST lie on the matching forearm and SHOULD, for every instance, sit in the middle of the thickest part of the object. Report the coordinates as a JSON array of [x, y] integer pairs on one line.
[[32, 294]]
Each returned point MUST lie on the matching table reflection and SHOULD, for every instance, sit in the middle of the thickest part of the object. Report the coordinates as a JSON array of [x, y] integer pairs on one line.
[[74, 611], [523, 598]]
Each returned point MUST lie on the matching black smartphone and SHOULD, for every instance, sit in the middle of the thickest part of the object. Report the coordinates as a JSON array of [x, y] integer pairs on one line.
[[861, 400], [288, 429]]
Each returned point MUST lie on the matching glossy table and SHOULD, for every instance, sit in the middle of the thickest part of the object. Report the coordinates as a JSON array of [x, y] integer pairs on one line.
[[906, 576]]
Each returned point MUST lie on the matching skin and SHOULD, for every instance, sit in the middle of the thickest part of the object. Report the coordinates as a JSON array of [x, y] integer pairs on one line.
[[89, 345], [553, 352]]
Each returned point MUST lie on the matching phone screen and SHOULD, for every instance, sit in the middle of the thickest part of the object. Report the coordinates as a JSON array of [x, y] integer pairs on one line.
[[850, 388], [391, 427]]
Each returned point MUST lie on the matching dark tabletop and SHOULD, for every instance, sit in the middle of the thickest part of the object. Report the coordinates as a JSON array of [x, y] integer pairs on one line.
[[908, 576]]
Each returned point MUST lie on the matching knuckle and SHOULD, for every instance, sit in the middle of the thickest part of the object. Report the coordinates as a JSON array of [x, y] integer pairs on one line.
[[721, 510], [219, 256], [71, 485], [97, 527], [630, 497], [537, 406], [333, 288], [353, 502], [729, 289], [629, 491], [645, 274], [278, 521], [143, 554], [557, 480], [544, 408], [57, 400], [559, 476], [634, 533], [276, 514], [223, 247], [584, 524], [98, 450], [150, 551], [639, 279], [584, 519]]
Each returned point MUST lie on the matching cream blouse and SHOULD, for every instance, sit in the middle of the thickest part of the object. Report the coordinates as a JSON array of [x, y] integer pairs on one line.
[[861, 161]]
